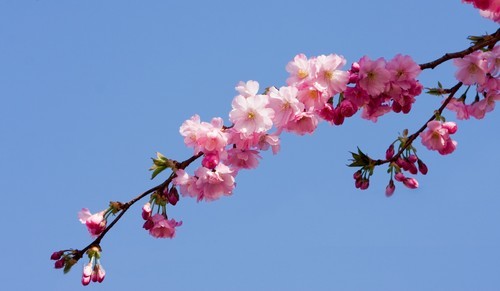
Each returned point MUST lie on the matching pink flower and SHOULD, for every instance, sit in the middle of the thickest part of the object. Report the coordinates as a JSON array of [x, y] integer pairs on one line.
[[300, 70], [373, 76], [212, 184], [248, 89], [162, 227], [305, 122], [269, 140], [96, 223], [459, 107], [329, 77], [250, 115], [243, 159], [285, 105], [203, 136], [187, 184], [437, 137], [472, 68]]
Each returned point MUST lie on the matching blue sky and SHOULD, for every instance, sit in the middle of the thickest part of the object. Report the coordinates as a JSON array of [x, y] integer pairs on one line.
[[90, 90]]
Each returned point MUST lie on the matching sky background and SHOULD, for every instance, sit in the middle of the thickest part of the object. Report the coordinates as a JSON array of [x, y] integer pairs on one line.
[[90, 90]]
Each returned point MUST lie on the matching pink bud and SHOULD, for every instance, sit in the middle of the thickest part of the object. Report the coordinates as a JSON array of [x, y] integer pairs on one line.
[[146, 211], [412, 158], [148, 224], [347, 108], [402, 163], [56, 255], [357, 175], [389, 153], [85, 280], [450, 126], [338, 118], [389, 190], [399, 177], [355, 67], [358, 183], [364, 184], [412, 168], [210, 161], [59, 263], [410, 183], [101, 273], [422, 167], [173, 196]]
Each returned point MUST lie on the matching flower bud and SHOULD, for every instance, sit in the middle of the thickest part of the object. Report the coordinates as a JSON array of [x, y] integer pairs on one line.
[[59, 263], [347, 108], [412, 158], [422, 167], [210, 161], [410, 183], [148, 224], [389, 190], [357, 175], [364, 184], [173, 196], [389, 153], [146, 211], [399, 177], [412, 168], [56, 255]]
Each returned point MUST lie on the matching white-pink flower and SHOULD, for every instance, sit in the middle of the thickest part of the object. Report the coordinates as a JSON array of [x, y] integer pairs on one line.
[[242, 159], [203, 136], [329, 77], [251, 115], [248, 89], [403, 71], [437, 137], [304, 122], [213, 184], [95, 223], [187, 184], [285, 105], [162, 227], [300, 70]]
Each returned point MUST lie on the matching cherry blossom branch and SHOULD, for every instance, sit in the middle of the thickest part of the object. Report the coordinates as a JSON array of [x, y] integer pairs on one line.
[[452, 91], [481, 42], [123, 207]]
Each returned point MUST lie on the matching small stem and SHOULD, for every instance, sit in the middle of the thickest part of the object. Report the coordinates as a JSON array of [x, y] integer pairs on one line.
[[488, 40]]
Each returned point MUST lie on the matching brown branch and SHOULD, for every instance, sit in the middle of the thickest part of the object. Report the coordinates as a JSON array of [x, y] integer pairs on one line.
[[487, 40], [78, 254]]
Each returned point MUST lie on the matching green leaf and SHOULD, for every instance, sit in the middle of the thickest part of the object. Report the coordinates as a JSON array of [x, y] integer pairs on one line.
[[157, 171]]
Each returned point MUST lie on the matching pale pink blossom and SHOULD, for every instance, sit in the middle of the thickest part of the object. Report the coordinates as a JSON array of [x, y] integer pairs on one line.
[[300, 70], [213, 184], [95, 223], [375, 108], [479, 109], [269, 140], [313, 98], [251, 115], [285, 105], [187, 184], [162, 227], [472, 68], [437, 136], [373, 76], [459, 107], [329, 77], [203, 136], [248, 89], [243, 159], [304, 122]]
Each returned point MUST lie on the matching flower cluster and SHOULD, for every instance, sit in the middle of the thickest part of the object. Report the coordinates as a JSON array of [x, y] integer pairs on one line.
[[93, 271], [382, 86], [437, 136], [480, 69], [158, 225], [487, 8]]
